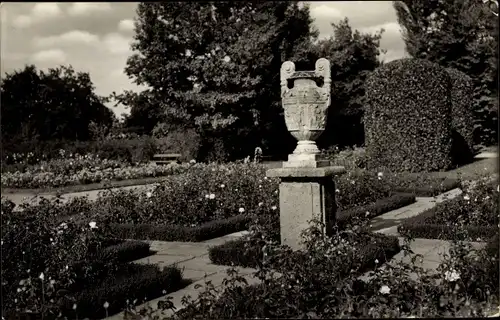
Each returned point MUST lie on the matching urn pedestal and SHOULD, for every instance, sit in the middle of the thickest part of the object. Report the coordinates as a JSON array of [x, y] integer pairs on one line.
[[307, 186]]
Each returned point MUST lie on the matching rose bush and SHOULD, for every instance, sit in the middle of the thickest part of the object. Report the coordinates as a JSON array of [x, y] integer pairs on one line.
[[464, 285], [40, 258], [474, 213], [84, 170]]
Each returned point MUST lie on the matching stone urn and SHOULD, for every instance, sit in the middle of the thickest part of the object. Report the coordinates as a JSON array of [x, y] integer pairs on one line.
[[306, 97]]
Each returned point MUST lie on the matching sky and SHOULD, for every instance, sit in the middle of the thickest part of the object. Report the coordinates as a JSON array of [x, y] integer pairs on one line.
[[95, 37]]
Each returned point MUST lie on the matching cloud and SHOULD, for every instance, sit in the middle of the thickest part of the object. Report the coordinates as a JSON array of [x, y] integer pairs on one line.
[[392, 28], [325, 11], [85, 8], [71, 37], [39, 13], [116, 43], [51, 55], [126, 25]]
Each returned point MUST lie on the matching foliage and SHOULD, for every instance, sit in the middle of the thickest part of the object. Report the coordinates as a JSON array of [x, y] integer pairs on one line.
[[132, 283], [84, 170], [350, 158], [211, 66], [58, 104], [476, 212], [421, 184], [202, 194], [315, 285], [126, 251], [372, 210], [461, 35], [401, 135], [169, 232], [32, 152], [42, 255], [462, 116], [353, 56]]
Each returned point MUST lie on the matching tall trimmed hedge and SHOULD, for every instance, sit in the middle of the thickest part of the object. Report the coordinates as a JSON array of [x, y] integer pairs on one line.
[[462, 120], [408, 117]]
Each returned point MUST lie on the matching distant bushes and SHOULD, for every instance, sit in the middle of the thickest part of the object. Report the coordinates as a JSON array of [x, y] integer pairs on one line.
[[33, 151]]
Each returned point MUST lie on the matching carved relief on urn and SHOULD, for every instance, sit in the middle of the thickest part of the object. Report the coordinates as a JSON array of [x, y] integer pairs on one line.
[[306, 107]]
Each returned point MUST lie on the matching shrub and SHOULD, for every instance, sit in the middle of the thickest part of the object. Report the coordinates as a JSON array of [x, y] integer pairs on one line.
[[40, 254], [421, 184], [408, 117], [350, 158], [476, 212], [247, 252], [464, 285], [166, 232], [204, 193], [24, 153], [127, 251], [359, 187], [462, 116], [82, 170], [294, 283], [369, 211], [131, 283]]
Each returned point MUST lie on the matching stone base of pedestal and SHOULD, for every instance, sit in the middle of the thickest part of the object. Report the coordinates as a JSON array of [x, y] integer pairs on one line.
[[306, 161], [305, 194]]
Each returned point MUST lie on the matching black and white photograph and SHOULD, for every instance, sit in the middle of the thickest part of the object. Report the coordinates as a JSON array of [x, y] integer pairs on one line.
[[249, 160]]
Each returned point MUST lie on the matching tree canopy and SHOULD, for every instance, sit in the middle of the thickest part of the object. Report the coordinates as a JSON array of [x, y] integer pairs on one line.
[[57, 104], [214, 66]]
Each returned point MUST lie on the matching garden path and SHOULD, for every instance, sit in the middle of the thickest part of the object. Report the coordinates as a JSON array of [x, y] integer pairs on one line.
[[193, 257], [488, 161], [19, 198]]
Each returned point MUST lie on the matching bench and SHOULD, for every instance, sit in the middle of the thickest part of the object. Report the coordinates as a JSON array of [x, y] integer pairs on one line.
[[166, 158]]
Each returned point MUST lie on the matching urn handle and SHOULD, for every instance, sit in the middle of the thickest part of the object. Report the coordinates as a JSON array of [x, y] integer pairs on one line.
[[287, 70], [323, 70]]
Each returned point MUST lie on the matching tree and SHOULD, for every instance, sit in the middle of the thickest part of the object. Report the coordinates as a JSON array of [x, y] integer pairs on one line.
[[58, 104], [461, 34], [214, 66], [353, 56]]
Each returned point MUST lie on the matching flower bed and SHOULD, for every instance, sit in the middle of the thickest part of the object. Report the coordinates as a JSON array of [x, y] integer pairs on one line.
[[83, 170], [321, 282], [239, 253], [242, 252], [473, 215], [52, 265], [209, 200], [165, 232], [131, 284]]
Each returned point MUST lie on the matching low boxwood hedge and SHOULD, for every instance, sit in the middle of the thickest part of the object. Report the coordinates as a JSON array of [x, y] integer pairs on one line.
[[474, 213], [375, 209], [378, 248], [131, 282], [236, 253], [209, 230], [432, 188], [126, 251]]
